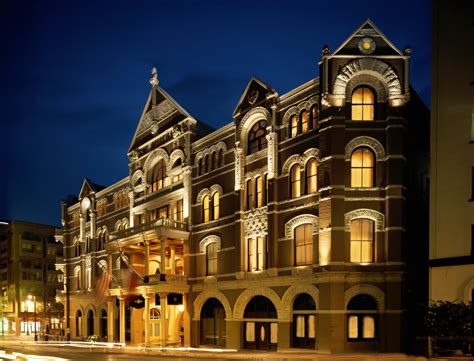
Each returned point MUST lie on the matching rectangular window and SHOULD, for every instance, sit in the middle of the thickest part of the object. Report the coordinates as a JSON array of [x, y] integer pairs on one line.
[[259, 192], [251, 261], [178, 211], [300, 326], [250, 331], [249, 194], [311, 326], [274, 332], [163, 212], [304, 244], [362, 239], [261, 250], [368, 327], [352, 325]]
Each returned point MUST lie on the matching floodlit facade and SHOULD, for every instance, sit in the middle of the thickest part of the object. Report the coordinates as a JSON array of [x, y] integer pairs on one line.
[[290, 227], [28, 279], [452, 155]]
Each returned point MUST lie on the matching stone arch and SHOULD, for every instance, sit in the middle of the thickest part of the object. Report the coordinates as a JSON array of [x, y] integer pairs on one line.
[[372, 82], [136, 176], [152, 159], [248, 121], [216, 188], [90, 307], [299, 220], [374, 67], [79, 308], [367, 289], [174, 156], [290, 162], [297, 109], [370, 142], [208, 240], [251, 292], [371, 214], [204, 296], [310, 153], [204, 192], [295, 290], [118, 224]]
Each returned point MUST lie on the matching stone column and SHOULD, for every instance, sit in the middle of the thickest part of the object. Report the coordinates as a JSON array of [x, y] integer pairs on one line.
[[187, 322], [163, 323], [173, 259], [238, 166], [162, 256], [187, 194], [147, 319], [147, 258], [130, 197], [122, 319], [272, 139], [110, 319]]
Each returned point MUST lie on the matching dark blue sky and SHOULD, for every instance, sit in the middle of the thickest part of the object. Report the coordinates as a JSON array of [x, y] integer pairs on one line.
[[75, 75]]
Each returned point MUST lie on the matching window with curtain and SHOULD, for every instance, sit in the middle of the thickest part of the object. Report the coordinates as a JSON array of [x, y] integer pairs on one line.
[[294, 126], [362, 240], [363, 104], [295, 181], [362, 168], [215, 205], [304, 244], [305, 122], [205, 209], [159, 177], [211, 258], [312, 176], [257, 139], [249, 194], [362, 318]]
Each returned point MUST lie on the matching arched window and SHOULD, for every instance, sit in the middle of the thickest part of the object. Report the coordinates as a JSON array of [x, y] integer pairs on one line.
[[215, 205], [260, 335], [294, 126], [363, 103], [221, 157], [211, 258], [304, 321], [204, 164], [304, 245], [159, 177], [362, 168], [210, 162], [314, 116], [257, 137], [78, 323], [312, 176], [362, 318], [305, 123], [77, 274], [205, 209], [362, 240], [199, 170], [295, 181], [215, 156], [213, 323]]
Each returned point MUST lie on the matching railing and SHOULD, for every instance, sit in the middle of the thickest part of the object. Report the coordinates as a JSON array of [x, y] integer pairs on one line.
[[168, 278], [160, 222]]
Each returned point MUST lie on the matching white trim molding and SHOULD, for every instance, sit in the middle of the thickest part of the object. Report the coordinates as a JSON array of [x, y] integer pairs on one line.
[[366, 289], [371, 214], [299, 220], [370, 142], [207, 241], [250, 293]]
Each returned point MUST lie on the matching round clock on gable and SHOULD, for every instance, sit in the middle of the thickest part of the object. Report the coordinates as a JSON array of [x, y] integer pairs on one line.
[[366, 45]]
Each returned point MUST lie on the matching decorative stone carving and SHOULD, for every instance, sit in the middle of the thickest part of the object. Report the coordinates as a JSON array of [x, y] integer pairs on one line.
[[238, 166], [136, 176], [299, 220], [370, 66], [208, 240], [204, 296], [367, 79], [371, 214], [249, 119], [256, 222], [208, 151], [174, 156], [256, 172], [293, 291], [366, 289], [301, 160], [297, 109], [365, 141], [209, 192], [153, 158], [156, 113], [249, 293]]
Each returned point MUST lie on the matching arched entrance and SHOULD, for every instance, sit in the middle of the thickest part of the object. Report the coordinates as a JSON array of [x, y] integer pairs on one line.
[[261, 324], [304, 322], [103, 324], [212, 324], [78, 323], [155, 318], [90, 322]]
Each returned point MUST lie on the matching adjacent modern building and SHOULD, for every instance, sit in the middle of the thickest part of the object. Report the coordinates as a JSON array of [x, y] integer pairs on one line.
[[28, 279], [452, 154], [297, 225]]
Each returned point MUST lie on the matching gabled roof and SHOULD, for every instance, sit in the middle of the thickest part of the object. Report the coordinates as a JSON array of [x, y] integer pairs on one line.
[[164, 104], [89, 187], [368, 28], [255, 88]]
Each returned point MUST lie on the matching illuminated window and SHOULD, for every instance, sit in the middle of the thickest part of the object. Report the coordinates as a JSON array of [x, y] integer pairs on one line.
[[362, 318], [312, 176], [178, 211], [205, 209], [294, 126], [362, 240], [314, 116], [363, 102], [261, 252], [305, 122], [257, 137], [215, 205], [304, 245], [251, 253], [260, 193], [249, 194], [295, 181], [257, 250], [362, 168], [211, 258], [304, 321], [159, 177]]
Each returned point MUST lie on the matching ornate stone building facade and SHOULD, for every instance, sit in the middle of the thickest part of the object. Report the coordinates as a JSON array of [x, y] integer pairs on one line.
[[287, 228]]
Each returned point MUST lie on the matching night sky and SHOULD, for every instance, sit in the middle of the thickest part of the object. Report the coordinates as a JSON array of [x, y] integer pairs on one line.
[[75, 75]]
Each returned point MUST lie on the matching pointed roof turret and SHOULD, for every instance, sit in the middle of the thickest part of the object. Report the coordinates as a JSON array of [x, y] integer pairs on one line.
[[255, 93]]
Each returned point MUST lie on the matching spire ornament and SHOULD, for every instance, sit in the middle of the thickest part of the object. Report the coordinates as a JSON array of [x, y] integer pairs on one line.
[[154, 77]]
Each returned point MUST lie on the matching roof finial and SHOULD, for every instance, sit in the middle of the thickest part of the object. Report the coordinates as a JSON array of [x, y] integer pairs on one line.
[[154, 77]]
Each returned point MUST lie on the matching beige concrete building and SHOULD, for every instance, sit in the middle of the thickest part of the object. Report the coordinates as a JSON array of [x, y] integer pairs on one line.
[[293, 226], [28, 279], [452, 153]]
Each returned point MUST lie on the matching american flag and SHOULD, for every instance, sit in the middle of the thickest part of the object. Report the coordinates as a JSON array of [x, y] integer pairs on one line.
[[102, 286]]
